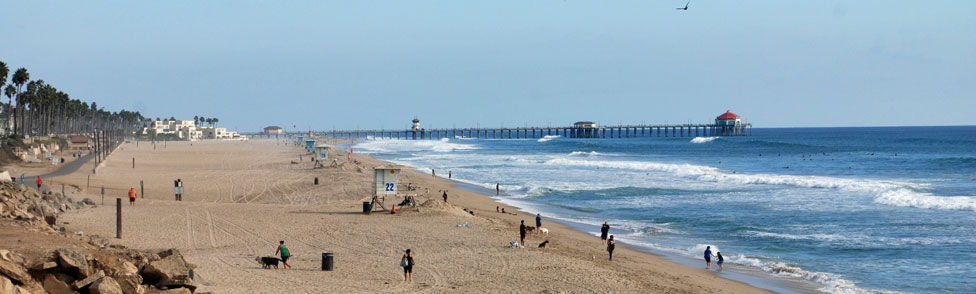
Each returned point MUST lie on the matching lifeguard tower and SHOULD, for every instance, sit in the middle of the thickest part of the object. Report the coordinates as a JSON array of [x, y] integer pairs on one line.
[[299, 139], [322, 155], [309, 145], [385, 178]]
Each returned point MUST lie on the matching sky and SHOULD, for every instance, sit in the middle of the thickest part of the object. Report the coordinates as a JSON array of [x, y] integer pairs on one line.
[[325, 65]]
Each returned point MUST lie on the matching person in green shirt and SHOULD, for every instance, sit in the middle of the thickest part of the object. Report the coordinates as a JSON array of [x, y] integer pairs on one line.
[[284, 253]]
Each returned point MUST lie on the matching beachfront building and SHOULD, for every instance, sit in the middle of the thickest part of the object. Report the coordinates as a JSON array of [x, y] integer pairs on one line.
[[728, 119], [185, 130], [78, 143], [273, 130]]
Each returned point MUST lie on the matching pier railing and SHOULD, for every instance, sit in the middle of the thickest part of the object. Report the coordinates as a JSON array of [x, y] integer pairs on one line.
[[604, 132]]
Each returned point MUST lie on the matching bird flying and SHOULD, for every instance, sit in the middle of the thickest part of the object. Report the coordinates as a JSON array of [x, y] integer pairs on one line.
[[686, 6]]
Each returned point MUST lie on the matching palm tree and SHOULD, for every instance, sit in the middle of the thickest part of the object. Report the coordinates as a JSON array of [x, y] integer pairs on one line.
[[4, 71], [21, 76]]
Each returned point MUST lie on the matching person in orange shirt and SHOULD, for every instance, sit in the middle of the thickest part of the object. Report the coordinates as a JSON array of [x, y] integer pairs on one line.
[[132, 196]]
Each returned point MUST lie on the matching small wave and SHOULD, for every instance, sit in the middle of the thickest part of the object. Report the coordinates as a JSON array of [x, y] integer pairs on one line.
[[699, 140], [908, 198], [833, 283], [584, 153], [548, 138], [394, 145]]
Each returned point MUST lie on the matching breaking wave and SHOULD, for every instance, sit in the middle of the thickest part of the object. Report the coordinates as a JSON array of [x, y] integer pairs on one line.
[[886, 192], [699, 140], [394, 145], [548, 138]]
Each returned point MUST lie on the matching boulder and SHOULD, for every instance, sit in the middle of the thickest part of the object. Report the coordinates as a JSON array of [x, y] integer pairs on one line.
[[170, 291], [105, 285], [44, 265], [73, 262], [53, 285], [178, 283], [15, 271], [6, 286], [172, 267], [131, 284], [86, 281]]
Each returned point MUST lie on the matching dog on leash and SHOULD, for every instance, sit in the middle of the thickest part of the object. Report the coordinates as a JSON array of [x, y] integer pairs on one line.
[[267, 262]]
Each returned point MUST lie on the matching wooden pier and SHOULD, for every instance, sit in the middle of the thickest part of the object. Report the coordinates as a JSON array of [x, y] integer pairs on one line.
[[602, 132]]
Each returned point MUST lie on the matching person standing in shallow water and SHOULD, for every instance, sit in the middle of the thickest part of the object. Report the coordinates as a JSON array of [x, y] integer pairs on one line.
[[611, 244], [604, 231], [720, 259], [708, 257]]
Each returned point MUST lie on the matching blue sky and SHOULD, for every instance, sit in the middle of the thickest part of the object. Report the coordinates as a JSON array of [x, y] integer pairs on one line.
[[377, 64]]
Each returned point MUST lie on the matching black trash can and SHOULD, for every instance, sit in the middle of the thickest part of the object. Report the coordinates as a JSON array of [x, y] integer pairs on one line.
[[327, 261], [316, 180], [367, 207]]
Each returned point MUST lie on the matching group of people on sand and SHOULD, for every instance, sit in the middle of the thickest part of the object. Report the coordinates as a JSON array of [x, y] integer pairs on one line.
[[611, 245]]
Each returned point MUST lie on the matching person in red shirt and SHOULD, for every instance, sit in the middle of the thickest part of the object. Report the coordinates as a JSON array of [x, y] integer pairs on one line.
[[132, 196], [38, 182]]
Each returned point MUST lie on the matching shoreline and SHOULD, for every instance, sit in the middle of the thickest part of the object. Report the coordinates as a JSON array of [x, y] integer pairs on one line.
[[740, 273]]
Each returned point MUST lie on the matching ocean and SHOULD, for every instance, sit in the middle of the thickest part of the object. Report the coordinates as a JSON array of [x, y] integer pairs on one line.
[[850, 210]]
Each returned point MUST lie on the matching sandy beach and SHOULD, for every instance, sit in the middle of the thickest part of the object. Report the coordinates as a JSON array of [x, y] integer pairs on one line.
[[242, 197]]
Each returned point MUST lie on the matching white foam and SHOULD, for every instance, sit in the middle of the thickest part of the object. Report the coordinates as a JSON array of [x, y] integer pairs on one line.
[[394, 145], [699, 140], [908, 198], [886, 192], [548, 138], [583, 153]]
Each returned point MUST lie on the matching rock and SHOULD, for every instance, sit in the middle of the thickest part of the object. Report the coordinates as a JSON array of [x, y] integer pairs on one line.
[[73, 262], [90, 279], [15, 271], [178, 283], [54, 286], [129, 269], [170, 291], [43, 266], [131, 284], [172, 267], [105, 285], [6, 286]]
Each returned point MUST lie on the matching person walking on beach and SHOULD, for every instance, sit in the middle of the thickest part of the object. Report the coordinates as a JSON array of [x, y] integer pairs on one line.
[[603, 232], [407, 263], [445, 196], [708, 257], [610, 246], [39, 182], [285, 254], [132, 196], [720, 259], [432, 173], [448, 174], [522, 232], [497, 189]]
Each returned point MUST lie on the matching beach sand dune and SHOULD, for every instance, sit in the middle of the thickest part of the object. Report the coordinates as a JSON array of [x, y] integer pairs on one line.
[[242, 197]]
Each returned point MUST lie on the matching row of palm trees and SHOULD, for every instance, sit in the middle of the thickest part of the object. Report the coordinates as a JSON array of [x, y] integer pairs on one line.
[[41, 109]]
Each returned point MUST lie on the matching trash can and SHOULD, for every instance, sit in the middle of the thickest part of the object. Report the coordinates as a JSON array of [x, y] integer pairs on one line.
[[367, 207], [316, 180], [327, 261]]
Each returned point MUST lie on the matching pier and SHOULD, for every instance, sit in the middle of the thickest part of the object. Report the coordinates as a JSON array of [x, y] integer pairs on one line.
[[726, 125], [602, 132]]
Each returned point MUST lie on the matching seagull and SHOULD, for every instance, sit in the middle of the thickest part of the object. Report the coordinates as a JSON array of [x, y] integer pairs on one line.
[[686, 6]]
